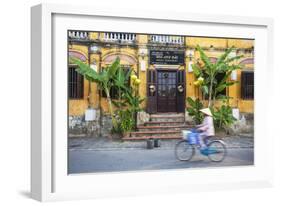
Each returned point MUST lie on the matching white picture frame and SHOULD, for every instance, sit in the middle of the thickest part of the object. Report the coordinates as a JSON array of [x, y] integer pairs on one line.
[[49, 178]]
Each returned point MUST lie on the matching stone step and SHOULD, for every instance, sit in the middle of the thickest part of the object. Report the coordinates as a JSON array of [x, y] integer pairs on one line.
[[167, 115], [156, 133], [151, 137], [167, 119], [163, 123], [165, 127]]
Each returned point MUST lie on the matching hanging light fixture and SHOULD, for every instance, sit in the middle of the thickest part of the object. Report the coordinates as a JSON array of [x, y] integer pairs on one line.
[[142, 53], [190, 54]]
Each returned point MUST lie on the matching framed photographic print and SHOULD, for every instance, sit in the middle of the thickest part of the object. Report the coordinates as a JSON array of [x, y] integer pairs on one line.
[[134, 102]]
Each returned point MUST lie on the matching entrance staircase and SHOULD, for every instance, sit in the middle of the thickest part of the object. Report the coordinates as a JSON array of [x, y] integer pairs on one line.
[[161, 126]]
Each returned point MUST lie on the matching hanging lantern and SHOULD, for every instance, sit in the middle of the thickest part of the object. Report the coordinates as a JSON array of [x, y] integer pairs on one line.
[[180, 88], [152, 88]]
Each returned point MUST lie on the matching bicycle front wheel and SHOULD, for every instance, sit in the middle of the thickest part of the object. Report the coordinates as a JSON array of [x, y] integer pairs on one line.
[[217, 151], [184, 151]]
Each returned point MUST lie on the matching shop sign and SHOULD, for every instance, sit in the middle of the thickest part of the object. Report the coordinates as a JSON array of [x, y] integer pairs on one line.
[[166, 57]]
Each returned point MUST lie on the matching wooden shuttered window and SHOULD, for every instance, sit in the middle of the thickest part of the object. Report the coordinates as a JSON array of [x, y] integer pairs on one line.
[[151, 91], [180, 91], [247, 85], [151, 80], [75, 84]]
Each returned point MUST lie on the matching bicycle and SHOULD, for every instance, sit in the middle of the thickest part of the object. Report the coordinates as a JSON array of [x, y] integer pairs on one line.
[[185, 149]]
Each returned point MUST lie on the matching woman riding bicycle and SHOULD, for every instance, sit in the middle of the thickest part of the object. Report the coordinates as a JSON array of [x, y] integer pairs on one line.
[[215, 149], [206, 129]]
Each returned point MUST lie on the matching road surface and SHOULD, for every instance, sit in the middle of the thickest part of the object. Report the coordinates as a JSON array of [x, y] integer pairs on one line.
[[113, 160]]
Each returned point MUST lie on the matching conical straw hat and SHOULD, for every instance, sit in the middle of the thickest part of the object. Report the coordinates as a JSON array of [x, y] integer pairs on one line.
[[206, 111]]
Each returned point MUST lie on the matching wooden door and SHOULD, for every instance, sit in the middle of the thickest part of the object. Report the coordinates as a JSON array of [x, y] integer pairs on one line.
[[166, 91]]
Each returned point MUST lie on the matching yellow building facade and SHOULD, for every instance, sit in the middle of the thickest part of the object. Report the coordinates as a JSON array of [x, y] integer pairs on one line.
[[158, 61]]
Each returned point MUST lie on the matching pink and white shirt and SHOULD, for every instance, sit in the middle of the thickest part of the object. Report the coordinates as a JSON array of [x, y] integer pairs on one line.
[[207, 126]]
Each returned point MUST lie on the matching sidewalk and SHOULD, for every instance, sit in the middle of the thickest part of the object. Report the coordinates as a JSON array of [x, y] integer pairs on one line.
[[84, 143]]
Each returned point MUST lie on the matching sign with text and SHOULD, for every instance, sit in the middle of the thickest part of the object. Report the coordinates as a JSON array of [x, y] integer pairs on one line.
[[166, 57]]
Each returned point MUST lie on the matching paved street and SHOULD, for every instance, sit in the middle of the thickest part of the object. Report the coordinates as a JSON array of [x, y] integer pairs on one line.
[[89, 160]]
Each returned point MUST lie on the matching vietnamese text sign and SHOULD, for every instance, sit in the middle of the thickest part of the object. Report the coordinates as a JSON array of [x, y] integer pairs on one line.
[[166, 57]]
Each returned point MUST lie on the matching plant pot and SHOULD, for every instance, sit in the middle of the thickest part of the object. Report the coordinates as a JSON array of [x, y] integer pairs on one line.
[[157, 142], [149, 144]]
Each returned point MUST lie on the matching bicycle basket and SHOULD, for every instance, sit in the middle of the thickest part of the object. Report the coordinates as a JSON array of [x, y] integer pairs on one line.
[[185, 134], [193, 138]]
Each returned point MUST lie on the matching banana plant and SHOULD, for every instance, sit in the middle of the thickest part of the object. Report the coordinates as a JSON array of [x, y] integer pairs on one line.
[[105, 79], [129, 98], [194, 109], [134, 101], [222, 116], [209, 71], [121, 81]]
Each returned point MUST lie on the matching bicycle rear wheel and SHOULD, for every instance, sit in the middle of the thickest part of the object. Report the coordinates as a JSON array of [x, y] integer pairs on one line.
[[217, 150], [184, 151]]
